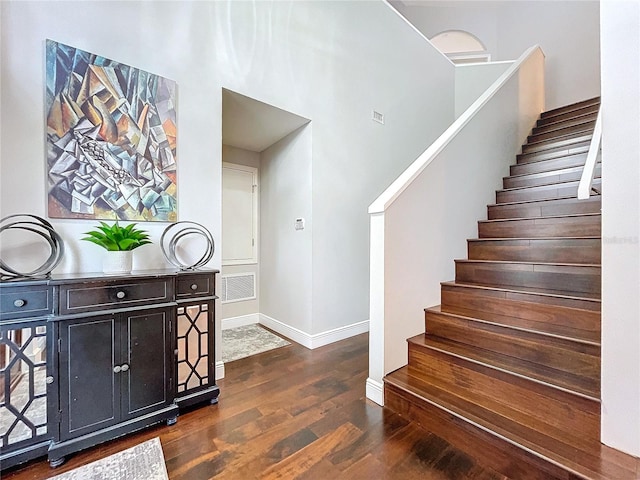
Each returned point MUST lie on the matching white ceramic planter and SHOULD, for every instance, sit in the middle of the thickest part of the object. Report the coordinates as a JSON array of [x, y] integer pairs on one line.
[[117, 262]]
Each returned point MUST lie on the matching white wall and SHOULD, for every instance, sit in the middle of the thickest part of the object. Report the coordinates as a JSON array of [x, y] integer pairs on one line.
[[285, 253], [322, 60], [620, 37], [240, 156], [567, 31], [472, 80]]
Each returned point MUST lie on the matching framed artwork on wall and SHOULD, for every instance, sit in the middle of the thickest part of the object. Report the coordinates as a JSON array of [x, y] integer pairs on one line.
[[111, 139]]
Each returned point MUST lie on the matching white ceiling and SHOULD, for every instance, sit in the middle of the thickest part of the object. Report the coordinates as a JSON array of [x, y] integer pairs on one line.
[[254, 125]]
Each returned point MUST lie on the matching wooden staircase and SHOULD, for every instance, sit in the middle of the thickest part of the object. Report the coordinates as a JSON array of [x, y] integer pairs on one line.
[[509, 365]]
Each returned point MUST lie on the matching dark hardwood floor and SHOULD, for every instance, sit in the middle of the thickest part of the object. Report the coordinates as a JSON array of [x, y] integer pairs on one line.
[[294, 413]]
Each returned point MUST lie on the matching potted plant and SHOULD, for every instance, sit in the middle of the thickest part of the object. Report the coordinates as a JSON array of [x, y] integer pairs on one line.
[[119, 242]]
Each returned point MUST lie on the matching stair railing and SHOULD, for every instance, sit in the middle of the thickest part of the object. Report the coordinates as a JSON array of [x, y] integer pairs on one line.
[[585, 186], [437, 199]]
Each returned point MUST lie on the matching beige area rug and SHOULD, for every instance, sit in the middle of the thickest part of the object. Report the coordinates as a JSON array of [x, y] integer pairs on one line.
[[142, 462], [247, 340]]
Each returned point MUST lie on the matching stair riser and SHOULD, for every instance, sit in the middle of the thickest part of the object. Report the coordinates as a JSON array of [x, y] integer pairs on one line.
[[567, 113], [554, 153], [563, 355], [544, 178], [552, 144], [541, 193], [566, 206], [552, 251], [580, 226], [558, 414], [524, 304], [569, 161], [585, 280], [584, 129], [574, 121], [498, 454]]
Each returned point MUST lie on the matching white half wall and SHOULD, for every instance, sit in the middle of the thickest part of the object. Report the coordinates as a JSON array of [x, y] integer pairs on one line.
[[620, 37], [421, 223]]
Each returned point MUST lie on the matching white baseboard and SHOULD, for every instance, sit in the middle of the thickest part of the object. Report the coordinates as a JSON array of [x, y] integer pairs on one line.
[[375, 391], [240, 321], [219, 370], [319, 339]]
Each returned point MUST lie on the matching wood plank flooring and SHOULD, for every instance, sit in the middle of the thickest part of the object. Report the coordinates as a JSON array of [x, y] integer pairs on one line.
[[294, 413]]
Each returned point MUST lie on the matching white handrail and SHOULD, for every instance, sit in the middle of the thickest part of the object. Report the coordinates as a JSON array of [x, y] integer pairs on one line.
[[584, 187]]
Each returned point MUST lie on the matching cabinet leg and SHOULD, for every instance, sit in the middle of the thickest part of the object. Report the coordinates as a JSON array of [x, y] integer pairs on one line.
[[172, 421], [56, 462]]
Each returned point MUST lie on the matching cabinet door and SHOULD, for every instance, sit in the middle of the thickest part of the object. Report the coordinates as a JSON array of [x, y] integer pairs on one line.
[[146, 349], [89, 387], [195, 341]]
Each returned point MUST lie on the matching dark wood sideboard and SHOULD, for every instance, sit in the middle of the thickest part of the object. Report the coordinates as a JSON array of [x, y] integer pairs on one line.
[[85, 358]]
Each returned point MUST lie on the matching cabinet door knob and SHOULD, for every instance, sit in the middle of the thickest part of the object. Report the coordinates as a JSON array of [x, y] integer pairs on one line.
[[121, 295], [19, 303], [124, 368], [194, 287], [117, 369], [49, 380]]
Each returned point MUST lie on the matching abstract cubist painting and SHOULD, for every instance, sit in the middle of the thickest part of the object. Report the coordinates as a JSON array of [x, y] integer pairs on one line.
[[111, 139]]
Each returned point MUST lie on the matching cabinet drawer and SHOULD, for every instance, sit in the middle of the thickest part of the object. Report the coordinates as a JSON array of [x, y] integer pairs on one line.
[[195, 285], [93, 296], [27, 301]]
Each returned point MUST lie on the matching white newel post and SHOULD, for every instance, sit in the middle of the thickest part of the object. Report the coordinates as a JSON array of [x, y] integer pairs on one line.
[[374, 388]]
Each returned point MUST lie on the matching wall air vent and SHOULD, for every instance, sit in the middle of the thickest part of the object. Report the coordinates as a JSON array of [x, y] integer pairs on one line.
[[377, 117], [237, 287]]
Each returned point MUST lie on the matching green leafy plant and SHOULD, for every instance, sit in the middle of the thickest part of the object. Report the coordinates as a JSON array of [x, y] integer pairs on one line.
[[114, 237]]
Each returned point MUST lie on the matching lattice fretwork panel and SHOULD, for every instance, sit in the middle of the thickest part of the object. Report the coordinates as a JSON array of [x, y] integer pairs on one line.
[[193, 346], [23, 387]]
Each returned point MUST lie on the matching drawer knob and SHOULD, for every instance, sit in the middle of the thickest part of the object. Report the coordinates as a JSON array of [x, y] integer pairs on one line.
[[117, 369], [121, 295], [124, 368], [49, 380], [19, 303], [194, 286]]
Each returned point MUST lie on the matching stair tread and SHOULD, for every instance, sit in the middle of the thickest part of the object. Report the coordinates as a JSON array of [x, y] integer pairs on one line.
[[581, 116], [549, 377], [579, 120], [547, 173], [544, 200], [583, 151], [525, 262], [509, 239], [558, 153], [542, 187], [565, 330], [596, 462], [567, 294], [516, 219], [527, 290], [453, 399], [571, 107], [583, 135], [560, 133], [509, 322]]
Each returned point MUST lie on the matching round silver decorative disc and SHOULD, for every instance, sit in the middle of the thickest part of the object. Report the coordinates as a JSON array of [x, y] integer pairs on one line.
[[44, 229], [179, 231]]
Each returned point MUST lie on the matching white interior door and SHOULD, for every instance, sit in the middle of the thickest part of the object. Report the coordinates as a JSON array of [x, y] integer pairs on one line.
[[239, 214]]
